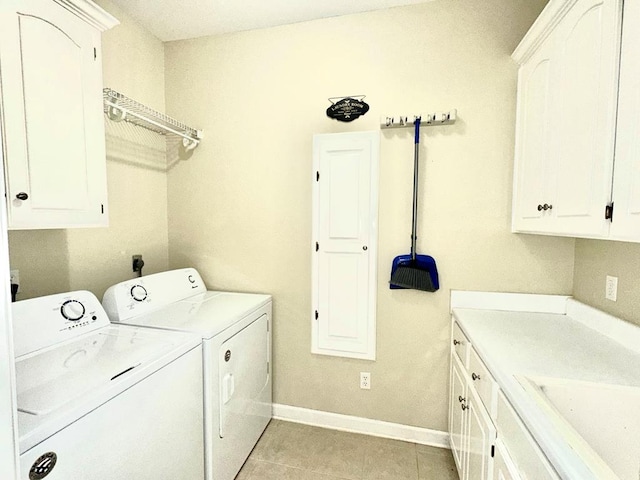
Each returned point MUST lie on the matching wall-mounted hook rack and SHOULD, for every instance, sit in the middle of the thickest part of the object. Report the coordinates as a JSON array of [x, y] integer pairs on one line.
[[430, 119]]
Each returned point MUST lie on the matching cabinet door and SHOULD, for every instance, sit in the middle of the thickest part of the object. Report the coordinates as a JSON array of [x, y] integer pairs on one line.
[[626, 182], [482, 434], [52, 117], [533, 171], [566, 123], [345, 212], [583, 121], [503, 467], [457, 423]]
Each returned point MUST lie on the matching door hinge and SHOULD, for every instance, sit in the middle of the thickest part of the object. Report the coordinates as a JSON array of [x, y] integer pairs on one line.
[[317, 176], [493, 450], [267, 368], [317, 246], [608, 212], [317, 314], [102, 208], [95, 53]]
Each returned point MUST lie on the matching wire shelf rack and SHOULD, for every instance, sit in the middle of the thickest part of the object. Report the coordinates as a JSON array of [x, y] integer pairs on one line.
[[119, 107]]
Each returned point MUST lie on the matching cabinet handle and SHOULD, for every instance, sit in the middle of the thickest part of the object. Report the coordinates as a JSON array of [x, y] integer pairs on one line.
[[456, 342], [475, 377], [22, 196], [460, 399]]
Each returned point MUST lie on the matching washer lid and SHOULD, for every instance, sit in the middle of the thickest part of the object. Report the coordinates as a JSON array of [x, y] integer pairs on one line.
[[206, 314], [91, 364]]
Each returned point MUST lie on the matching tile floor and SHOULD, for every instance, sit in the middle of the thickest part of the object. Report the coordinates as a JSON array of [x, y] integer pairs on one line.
[[291, 451]]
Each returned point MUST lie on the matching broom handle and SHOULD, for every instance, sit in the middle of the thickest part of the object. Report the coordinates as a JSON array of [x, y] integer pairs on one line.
[[414, 221]]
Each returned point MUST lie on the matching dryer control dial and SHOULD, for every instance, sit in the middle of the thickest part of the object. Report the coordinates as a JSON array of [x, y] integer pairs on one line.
[[139, 293], [72, 310]]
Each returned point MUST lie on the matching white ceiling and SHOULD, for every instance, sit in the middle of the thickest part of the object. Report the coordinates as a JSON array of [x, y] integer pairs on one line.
[[179, 19]]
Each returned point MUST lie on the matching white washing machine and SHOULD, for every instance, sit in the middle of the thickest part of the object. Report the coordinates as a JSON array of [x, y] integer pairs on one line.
[[103, 401], [236, 346]]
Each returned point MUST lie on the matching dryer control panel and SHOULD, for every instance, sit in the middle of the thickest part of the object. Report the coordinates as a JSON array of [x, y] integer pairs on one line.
[[44, 321], [138, 296]]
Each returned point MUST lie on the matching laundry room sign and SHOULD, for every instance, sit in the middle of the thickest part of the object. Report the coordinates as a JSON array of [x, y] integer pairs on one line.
[[347, 109]]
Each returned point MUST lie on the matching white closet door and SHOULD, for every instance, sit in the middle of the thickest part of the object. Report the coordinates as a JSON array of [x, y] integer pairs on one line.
[[8, 407], [345, 210], [626, 180]]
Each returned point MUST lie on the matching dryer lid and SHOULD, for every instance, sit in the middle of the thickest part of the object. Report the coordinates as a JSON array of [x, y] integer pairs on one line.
[[205, 314]]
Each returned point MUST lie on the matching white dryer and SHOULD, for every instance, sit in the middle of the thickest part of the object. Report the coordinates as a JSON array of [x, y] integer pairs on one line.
[[236, 345], [104, 401]]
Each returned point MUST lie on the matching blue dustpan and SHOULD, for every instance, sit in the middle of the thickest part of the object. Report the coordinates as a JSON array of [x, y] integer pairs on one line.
[[420, 273], [414, 271]]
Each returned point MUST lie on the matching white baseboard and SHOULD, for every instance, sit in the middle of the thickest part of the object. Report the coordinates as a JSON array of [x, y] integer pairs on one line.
[[348, 423]]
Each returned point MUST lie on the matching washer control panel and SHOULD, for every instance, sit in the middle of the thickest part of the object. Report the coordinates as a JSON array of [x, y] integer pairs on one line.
[[72, 310], [141, 295], [44, 321]]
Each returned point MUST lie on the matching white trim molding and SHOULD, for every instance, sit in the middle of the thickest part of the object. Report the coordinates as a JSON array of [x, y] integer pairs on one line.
[[366, 426], [550, 17], [90, 13]]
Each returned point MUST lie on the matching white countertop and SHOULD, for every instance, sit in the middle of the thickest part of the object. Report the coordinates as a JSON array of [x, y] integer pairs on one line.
[[565, 343]]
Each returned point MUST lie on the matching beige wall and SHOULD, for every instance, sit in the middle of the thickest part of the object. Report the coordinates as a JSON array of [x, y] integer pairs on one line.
[[53, 261], [240, 208], [594, 260]]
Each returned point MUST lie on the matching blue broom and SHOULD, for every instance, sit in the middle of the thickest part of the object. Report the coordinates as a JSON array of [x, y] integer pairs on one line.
[[414, 271]]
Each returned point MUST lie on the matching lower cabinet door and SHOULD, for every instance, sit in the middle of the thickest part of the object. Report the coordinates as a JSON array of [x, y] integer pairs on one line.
[[457, 415], [482, 435], [503, 467]]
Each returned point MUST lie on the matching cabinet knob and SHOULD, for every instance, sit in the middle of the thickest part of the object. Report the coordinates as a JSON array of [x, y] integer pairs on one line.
[[365, 248], [464, 407], [456, 342], [460, 399], [546, 207], [22, 196], [475, 377], [539, 207]]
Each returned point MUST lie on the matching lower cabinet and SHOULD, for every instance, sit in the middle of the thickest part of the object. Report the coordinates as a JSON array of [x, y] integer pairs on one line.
[[472, 431], [488, 439]]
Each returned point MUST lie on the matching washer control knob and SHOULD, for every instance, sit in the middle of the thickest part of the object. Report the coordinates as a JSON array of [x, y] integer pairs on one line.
[[72, 310], [139, 293]]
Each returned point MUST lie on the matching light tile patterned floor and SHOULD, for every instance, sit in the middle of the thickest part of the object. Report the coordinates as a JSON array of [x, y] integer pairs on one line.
[[291, 451]]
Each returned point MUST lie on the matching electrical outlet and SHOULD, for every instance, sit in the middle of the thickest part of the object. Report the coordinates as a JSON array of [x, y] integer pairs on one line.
[[365, 380], [611, 292], [15, 278], [136, 264]]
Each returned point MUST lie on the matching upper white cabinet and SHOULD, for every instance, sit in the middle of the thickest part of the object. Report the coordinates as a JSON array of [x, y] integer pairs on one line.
[[565, 132], [53, 146], [626, 182]]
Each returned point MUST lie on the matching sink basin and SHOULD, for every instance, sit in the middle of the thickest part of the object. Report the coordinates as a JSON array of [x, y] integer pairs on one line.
[[601, 422]]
